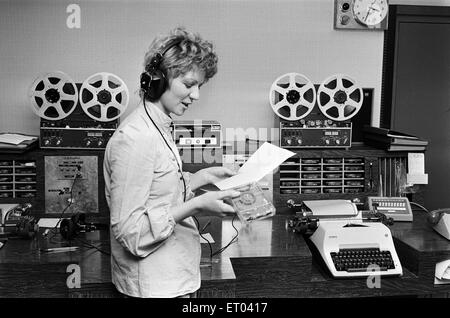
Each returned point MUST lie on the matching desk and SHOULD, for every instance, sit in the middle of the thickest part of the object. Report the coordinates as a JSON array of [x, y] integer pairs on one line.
[[268, 260]]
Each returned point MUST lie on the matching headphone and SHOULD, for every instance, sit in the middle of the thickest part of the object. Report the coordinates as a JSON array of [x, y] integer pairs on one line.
[[153, 80], [70, 228]]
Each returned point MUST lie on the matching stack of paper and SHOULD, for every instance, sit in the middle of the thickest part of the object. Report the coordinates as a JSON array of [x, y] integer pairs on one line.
[[15, 139]]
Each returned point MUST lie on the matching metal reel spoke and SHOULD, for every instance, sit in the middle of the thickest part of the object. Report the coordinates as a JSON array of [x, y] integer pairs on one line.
[[292, 96], [104, 96], [53, 96], [336, 97]]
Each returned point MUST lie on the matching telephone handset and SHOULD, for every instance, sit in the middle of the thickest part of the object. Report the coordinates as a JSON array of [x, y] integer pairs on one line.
[[397, 208], [440, 220]]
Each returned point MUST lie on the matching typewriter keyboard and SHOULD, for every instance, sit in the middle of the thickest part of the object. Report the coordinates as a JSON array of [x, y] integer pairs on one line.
[[358, 260]]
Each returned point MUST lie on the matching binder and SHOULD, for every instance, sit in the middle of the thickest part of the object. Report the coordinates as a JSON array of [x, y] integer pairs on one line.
[[395, 140], [387, 132], [394, 147]]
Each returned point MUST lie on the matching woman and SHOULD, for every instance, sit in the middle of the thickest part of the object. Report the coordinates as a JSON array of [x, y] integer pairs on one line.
[[155, 243]]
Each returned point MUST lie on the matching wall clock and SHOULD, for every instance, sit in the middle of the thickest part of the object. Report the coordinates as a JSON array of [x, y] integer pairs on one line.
[[361, 14]]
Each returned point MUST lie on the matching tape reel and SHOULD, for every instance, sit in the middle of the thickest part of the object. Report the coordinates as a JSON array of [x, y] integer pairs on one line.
[[247, 198], [292, 96], [103, 96], [53, 95], [339, 97]]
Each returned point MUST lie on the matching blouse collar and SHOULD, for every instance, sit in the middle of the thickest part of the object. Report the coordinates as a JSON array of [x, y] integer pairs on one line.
[[160, 118]]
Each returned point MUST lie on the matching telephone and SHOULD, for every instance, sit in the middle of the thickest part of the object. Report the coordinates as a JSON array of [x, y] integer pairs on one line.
[[397, 208], [440, 220], [442, 272], [17, 221]]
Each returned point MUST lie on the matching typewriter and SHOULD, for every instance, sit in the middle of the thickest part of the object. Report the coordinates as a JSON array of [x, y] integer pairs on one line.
[[350, 245]]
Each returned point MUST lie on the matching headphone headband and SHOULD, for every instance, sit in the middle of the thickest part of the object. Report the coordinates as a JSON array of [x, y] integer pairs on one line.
[[171, 44], [155, 62]]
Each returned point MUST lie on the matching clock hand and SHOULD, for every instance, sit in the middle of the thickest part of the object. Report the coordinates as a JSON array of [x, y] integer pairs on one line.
[[368, 11]]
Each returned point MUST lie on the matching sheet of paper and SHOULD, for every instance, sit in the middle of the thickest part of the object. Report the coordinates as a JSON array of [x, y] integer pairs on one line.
[[416, 169], [238, 180], [416, 163], [267, 158], [14, 139], [48, 222], [331, 207], [417, 178]]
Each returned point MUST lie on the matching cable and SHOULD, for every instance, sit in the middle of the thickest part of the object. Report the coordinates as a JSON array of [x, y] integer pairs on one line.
[[201, 234], [185, 190], [92, 246], [55, 229], [420, 206], [220, 250], [233, 240]]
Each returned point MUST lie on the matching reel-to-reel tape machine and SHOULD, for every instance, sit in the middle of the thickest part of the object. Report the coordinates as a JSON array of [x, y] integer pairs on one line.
[[78, 116], [316, 116]]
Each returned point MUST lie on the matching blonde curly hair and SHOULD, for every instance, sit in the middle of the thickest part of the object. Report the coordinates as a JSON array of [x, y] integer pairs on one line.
[[190, 53]]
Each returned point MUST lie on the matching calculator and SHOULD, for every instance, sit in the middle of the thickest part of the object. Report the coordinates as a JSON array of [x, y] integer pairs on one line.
[[397, 208]]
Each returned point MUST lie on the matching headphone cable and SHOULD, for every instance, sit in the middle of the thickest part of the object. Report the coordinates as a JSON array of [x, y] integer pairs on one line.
[[54, 229], [184, 199], [170, 148]]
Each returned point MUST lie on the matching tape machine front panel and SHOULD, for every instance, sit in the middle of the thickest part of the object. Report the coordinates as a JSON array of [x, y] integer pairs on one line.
[[316, 116], [77, 116]]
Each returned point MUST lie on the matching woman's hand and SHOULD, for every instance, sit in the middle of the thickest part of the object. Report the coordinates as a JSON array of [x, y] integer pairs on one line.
[[212, 203], [209, 175]]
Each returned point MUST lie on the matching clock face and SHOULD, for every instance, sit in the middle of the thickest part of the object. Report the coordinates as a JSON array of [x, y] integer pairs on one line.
[[370, 12]]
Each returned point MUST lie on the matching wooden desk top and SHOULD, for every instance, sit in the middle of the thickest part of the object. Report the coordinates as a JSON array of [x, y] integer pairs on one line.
[[419, 235], [268, 260], [420, 247], [21, 261], [263, 238]]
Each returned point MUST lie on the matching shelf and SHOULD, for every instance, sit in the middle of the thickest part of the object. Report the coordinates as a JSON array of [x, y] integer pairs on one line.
[[16, 176], [322, 176]]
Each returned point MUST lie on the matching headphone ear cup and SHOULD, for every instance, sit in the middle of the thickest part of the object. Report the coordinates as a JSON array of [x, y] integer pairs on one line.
[[153, 80], [157, 85], [67, 229]]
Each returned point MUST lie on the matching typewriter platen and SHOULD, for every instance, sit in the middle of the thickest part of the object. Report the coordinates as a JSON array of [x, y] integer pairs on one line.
[[349, 244]]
